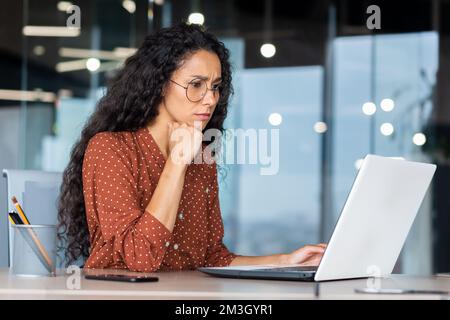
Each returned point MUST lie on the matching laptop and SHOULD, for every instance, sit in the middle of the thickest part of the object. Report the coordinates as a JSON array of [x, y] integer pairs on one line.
[[370, 232]]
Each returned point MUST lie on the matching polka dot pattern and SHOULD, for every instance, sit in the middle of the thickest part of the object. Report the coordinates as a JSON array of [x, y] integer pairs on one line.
[[120, 173]]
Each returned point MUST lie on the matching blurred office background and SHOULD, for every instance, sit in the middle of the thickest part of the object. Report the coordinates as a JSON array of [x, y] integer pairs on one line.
[[334, 88]]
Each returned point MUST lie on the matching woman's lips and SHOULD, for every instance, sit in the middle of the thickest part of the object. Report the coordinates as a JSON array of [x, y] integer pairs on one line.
[[203, 116]]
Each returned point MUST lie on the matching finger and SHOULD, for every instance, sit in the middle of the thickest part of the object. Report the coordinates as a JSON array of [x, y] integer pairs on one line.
[[321, 246], [317, 245], [313, 249]]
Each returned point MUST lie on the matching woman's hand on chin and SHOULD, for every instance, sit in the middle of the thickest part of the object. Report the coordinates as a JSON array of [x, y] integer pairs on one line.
[[185, 142]]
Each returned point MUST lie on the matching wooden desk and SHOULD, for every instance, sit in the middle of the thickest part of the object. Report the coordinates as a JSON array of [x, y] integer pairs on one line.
[[192, 285]]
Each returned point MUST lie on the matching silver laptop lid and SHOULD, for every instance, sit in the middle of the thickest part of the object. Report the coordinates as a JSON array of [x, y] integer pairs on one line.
[[376, 218]]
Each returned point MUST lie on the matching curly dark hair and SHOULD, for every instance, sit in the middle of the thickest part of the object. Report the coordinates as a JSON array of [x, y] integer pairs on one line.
[[131, 103]]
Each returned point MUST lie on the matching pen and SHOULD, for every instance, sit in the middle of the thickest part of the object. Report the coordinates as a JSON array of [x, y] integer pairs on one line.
[[11, 219]]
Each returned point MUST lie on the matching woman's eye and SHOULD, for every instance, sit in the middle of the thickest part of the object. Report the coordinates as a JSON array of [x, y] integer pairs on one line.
[[196, 84]]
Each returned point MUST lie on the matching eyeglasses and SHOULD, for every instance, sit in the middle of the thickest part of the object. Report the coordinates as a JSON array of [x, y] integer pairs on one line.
[[197, 88]]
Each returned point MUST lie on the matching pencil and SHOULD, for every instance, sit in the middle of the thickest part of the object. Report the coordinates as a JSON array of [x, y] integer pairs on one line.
[[32, 233], [20, 211]]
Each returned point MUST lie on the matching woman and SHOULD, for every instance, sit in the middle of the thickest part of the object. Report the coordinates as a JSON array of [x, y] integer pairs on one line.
[[126, 201]]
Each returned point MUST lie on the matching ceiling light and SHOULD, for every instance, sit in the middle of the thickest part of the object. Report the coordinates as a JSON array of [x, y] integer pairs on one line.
[[419, 139], [387, 129], [320, 127], [21, 95], [92, 64], [64, 5], [49, 31], [74, 65], [39, 50], [268, 50], [129, 5], [275, 119], [387, 105], [369, 108], [196, 18]]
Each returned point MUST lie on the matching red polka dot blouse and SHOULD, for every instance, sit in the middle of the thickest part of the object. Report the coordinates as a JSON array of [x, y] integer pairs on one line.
[[120, 173]]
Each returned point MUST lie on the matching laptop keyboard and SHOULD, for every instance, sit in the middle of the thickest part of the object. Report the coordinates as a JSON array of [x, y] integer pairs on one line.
[[289, 269]]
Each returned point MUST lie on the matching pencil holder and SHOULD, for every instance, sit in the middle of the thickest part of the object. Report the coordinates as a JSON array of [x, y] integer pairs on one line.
[[34, 250]]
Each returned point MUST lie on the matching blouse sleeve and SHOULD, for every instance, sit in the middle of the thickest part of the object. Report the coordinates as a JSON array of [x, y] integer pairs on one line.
[[138, 237], [217, 254]]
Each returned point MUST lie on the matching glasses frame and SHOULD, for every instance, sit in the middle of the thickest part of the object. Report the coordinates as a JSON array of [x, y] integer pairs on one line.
[[186, 89]]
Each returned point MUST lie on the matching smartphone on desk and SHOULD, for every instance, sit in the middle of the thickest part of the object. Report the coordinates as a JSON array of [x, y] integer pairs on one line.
[[121, 277]]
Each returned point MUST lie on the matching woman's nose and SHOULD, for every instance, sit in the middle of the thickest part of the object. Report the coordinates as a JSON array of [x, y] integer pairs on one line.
[[210, 97]]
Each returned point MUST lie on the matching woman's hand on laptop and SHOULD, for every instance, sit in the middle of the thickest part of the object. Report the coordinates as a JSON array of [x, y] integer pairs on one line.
[[309, 255]]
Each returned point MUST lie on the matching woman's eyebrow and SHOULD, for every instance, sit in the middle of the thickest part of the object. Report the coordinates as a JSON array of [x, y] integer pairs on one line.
[[196, 76]]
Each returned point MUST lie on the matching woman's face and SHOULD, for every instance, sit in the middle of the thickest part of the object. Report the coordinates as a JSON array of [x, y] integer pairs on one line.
[[200, 72]]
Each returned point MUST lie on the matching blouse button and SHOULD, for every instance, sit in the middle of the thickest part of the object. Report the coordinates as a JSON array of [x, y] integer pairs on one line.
[[175, 246], [167, 243], [181, 216]]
